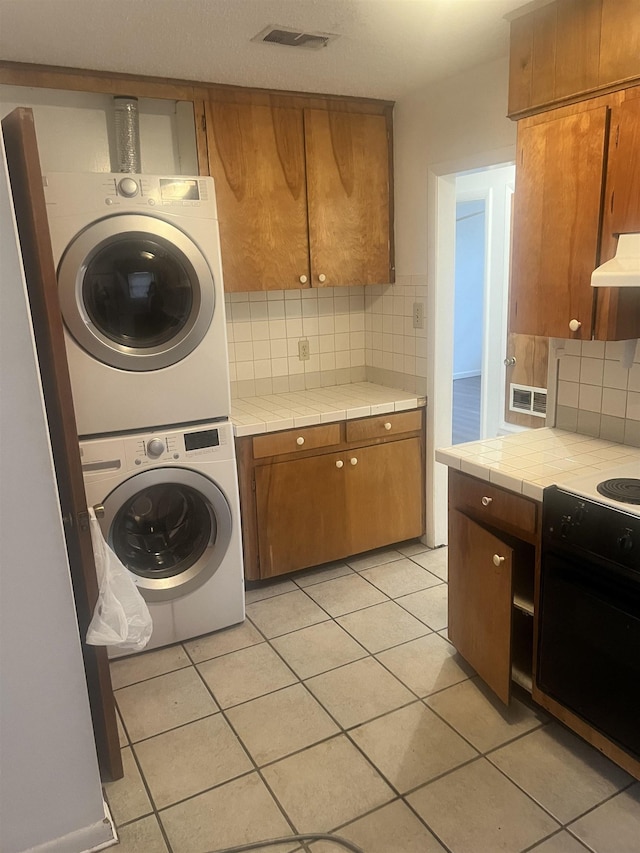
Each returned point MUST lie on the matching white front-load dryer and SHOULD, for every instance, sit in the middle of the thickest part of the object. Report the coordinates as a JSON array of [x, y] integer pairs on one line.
[[172, 516], [140, 290]]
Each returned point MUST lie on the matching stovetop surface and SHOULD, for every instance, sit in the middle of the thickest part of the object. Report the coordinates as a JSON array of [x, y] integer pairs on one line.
[[586, 486]]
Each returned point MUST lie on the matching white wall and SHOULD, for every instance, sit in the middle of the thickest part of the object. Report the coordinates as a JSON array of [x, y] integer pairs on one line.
[[50, 793], [457, 125], [469, 289], [75, 131]]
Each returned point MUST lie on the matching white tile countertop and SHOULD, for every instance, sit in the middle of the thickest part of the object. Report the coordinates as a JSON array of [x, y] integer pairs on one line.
[[253, 415], [527, 462]]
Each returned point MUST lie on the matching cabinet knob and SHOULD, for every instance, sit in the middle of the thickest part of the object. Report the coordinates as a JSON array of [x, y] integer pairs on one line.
[[574, 325], [486, 500], [303, 279], [353, 460], [339, 463], [510, 361], [322, 277], [387, 425], [300, 440], [497, 560]]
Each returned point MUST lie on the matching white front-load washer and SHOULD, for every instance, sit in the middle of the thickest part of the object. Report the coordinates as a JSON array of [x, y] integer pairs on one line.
[[172, 516], [141, 293]]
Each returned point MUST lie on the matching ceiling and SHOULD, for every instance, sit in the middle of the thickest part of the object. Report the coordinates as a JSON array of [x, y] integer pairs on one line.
[[386, 48]]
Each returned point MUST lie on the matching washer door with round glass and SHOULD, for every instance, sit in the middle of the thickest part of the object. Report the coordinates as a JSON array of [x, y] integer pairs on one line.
[[135, 292], [171, 527]]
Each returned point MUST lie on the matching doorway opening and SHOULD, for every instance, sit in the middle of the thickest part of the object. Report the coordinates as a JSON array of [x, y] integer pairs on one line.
[[491, 184], [481, 275], [467, 316]]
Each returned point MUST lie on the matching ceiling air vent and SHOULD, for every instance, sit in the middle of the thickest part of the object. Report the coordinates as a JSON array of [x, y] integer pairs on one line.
[[294, 38], [529, 400]]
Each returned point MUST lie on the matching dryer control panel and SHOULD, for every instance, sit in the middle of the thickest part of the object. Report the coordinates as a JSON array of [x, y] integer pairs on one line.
[[105, 193]]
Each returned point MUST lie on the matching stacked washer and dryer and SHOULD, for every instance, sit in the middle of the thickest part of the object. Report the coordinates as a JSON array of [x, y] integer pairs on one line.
[[141, 294]]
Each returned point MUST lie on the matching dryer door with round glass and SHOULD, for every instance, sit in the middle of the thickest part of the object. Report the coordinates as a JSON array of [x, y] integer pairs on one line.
[[170, 527], [136, 292]]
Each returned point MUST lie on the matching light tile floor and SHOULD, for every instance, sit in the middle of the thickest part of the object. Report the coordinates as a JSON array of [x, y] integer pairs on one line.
[[340, 705]]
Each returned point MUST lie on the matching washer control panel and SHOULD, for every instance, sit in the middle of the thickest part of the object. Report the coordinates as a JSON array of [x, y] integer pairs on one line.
[[209, 442]]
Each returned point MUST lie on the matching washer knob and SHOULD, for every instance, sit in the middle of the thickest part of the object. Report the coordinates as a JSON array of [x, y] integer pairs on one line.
[[128, 187], [155, 448]]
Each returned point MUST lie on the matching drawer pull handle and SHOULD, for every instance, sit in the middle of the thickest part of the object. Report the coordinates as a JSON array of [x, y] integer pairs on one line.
[[387, 425], [300, 440], [303, 279], [339, 463], [322, 277], [486, 501], [574, 325], [353, 460], [497, 560]]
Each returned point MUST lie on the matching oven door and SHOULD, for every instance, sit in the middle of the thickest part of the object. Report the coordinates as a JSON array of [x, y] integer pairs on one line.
[[589, 643]]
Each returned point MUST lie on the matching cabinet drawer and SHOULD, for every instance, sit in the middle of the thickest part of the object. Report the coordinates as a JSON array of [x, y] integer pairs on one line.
[[384, 425], [291, 441], [491, 504]]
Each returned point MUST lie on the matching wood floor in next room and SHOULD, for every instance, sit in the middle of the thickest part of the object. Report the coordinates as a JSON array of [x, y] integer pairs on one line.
[[466, 409], [339, 705]]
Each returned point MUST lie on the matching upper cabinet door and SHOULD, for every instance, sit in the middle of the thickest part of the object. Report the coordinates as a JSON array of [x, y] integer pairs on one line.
[[348, 187], [256, 157], [557, 215], [622, 214]]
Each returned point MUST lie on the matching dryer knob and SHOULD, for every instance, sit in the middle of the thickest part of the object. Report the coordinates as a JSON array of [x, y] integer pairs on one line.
[[128, 187], [155, 448]]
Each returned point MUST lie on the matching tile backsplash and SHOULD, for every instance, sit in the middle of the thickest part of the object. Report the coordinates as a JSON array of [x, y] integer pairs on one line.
[[354, 333], [596, 394]]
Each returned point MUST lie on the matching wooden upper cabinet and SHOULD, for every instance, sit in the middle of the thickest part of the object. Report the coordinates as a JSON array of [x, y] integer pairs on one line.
[[557, 205], [570, 49], [348, 197], [577, 47], [303, 195], [256, 157], [620, 40], [623, 179]]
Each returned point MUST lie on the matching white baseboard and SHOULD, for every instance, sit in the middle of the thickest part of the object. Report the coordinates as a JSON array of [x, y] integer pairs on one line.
[[467, 374], [88, 839]]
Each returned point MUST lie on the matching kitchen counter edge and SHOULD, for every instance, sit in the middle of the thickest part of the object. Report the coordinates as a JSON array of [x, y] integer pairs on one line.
[[294, 409], [527, 462]]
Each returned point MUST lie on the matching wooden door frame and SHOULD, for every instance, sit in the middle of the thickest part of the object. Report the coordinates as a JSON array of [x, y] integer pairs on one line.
[[39, 268]]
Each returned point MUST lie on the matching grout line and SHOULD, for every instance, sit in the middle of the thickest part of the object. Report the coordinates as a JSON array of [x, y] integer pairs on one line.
[[342, 731]]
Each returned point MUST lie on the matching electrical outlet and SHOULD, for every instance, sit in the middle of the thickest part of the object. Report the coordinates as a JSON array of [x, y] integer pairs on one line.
[[304, 353], [418, 315]]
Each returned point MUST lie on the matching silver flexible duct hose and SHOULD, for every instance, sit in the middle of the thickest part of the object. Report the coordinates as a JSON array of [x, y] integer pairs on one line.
[[127, 134]]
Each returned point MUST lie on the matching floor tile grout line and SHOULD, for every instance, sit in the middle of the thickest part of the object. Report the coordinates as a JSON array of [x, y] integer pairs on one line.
[[249, 756], [155, 810], [562, 823], [557, 832], [342, 730], [312, 599]]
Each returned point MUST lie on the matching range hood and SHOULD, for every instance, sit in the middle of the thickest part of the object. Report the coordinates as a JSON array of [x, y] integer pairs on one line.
[[624, 269]]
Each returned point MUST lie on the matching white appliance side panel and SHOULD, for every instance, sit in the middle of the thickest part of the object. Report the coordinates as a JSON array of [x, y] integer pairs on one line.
[[110, 400], [50, 785]]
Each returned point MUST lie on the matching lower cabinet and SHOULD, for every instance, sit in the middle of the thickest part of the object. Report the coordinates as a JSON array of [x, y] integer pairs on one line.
[[493, 536], [319, 494]]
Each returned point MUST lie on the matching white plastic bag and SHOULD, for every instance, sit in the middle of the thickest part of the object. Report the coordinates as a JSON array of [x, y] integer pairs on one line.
[[121, 617]]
